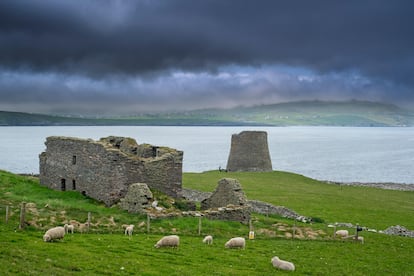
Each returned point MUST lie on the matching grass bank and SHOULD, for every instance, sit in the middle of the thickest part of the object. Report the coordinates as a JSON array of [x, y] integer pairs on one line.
[[106, 250]]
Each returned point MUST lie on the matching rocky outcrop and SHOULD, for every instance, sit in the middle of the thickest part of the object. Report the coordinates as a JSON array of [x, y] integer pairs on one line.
[[137, 199], [228, 191], [399, 231], [249, 152], [269, 209]]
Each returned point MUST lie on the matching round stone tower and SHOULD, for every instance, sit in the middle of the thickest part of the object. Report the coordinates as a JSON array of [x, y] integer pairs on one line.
[[249, 152]]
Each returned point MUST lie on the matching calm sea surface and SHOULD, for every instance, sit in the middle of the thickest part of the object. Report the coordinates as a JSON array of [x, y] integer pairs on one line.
[[345, 154]]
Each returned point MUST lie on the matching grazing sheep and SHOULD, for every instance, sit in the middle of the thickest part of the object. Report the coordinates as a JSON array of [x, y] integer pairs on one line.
[[54, 234], [83, 227], [69, 227], [208, 239], [342, 233], [168, 241], [129, 230], [361, 239], [237, 242], [281, 264]]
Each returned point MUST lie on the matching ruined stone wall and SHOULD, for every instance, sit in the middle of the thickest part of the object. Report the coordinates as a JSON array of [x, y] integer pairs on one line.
[[249, 152], [194, 195], [101, 170], [164, 173], [269, 209], [228, 191]]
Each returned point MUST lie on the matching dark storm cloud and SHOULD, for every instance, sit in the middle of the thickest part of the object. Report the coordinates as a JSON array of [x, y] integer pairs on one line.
[[109, 46], [98, 37]]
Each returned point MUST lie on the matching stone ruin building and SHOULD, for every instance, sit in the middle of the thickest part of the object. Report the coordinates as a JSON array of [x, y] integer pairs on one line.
[[227, 202], [105, 169], [249, 152]]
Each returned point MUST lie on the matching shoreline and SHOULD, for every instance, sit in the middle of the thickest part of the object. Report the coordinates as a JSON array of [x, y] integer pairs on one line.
[[382, 185]]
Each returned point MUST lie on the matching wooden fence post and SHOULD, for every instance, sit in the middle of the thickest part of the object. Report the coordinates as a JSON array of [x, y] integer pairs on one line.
[[356, 232], [89, 220], [199, 226], [7, 214], [294, 230], [148, 223], [22, 215]]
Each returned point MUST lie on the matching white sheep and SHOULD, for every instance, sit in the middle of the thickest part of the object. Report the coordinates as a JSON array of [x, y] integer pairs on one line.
[[237, 242], [54, 234], [69, 228], [168, 241], [281, 264], [129, 229], [361, 239], [342, 233], [208, 239]]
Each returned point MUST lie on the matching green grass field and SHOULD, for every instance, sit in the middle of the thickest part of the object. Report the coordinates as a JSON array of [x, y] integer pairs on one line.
[[105, 250]]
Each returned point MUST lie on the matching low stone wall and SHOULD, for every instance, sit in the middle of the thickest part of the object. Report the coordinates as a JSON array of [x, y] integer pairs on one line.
[[256, 206], [229, 213], [399, 231], [194, 195], [269, 209]]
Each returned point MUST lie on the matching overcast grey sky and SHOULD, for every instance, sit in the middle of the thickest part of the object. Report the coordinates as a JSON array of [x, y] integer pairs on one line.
[[124, 57]]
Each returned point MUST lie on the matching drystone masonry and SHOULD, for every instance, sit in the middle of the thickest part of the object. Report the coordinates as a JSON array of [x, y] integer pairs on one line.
[[137, 198], [265, 208], [249, 152], [104, 169], [228, 192]]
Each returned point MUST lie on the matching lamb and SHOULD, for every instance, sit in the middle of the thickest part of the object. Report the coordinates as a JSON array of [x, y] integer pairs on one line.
[[342, 233], [54, 234], [237, 242], [129, 229], [168, 241], [361, 239], [208, 239], [281, 264], [69, 227]]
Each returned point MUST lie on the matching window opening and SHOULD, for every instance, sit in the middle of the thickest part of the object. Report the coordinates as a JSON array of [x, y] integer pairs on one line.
[[154, 151], [74, 160], [73, 184]]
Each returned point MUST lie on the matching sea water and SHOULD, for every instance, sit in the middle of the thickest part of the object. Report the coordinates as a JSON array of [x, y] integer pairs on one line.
[[343, 154]]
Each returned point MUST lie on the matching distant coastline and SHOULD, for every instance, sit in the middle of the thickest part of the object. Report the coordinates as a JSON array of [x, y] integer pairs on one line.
[[306, 113], [385, 185]]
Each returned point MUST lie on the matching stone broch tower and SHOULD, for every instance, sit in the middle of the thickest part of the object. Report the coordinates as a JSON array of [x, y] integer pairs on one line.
[[249, 152]]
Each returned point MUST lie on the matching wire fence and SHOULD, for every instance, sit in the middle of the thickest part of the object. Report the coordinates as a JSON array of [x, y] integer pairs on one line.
[[23, 214]]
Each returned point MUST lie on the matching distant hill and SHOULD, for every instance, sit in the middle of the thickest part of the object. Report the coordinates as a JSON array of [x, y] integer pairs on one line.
[[306, 113]]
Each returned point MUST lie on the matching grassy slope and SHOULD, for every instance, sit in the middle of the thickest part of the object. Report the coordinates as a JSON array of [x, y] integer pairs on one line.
[[107, 251], [372, 207]]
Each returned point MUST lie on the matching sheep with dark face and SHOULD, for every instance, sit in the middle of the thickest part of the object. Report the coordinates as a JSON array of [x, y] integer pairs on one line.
[[168, 241], [54, 233]]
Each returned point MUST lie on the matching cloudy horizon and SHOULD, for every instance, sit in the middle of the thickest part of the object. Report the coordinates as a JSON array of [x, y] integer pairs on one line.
[[126, 57]]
